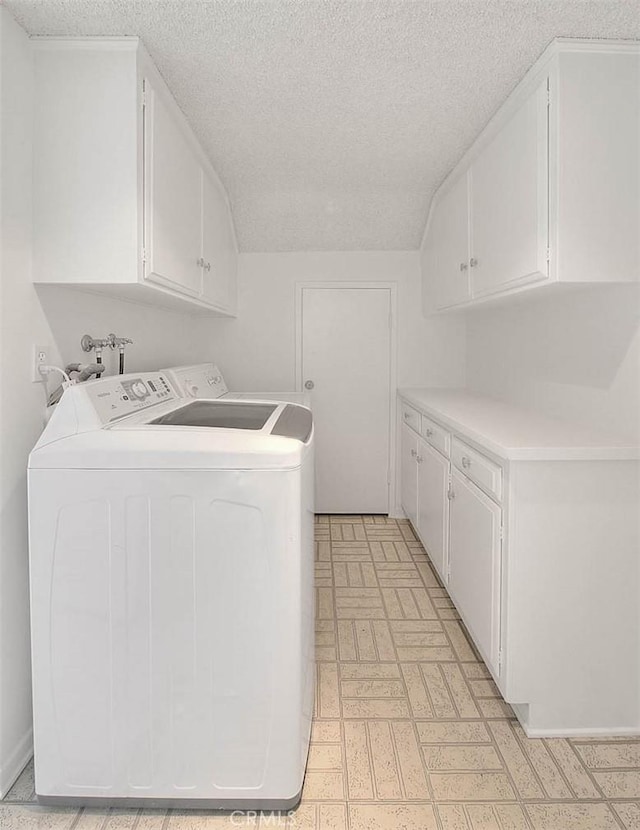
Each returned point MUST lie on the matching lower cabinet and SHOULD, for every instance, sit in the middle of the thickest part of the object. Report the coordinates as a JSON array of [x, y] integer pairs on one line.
[[475, 553], [432, 521], [536, 598], [409, 473], [459, 525]]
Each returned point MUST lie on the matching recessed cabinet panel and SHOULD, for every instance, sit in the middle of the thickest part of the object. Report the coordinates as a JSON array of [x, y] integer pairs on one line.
[[509, 201], [172, 199], [409, 474], [433, 505], [475, 564], [450, 239]]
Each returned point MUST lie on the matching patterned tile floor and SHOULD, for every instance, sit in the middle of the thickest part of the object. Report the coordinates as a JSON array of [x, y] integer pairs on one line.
[[410, 732]]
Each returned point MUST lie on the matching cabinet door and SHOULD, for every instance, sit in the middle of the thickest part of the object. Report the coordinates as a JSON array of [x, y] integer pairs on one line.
[[409, 474], [449, 236], [509, 201], [433, 505], [475, 552], [218, 245], [173, 202]]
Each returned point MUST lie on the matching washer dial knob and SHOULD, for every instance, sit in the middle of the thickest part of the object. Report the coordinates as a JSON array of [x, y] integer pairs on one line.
[[139, 390]]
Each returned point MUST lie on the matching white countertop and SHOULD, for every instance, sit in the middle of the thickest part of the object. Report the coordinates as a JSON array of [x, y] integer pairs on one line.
[[513, 432]]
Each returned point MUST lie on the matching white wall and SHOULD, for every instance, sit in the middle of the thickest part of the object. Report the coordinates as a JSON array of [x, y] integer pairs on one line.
[[257, 350], [57, 318], [574, 356], [20, 416], [161, 337]]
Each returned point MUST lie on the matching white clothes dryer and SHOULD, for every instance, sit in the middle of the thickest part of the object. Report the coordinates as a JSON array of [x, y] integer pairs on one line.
[[172, 609], [205, 380]]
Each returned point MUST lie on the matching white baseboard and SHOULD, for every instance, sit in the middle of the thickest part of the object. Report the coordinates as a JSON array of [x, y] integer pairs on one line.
[[15, 763], [618, 732], [521, 711]]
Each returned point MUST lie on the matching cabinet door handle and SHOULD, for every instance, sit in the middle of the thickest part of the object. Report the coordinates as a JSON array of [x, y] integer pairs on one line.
[[419, 459], [473, 262], [463, 266], [200, 262], [406, 416], [413, 453], [207, 266], [466, 462], [428, 433]]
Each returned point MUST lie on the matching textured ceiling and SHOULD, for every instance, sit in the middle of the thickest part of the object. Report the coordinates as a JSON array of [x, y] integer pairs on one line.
[[332, 123]]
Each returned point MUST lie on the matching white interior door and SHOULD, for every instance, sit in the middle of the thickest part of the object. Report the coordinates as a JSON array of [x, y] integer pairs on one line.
[[346, 355]]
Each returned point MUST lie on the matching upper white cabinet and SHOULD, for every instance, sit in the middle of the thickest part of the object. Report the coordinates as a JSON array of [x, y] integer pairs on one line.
[[125, 201], [219, 254], [449, 248], [173, 199], [509, 201], [552, 185]]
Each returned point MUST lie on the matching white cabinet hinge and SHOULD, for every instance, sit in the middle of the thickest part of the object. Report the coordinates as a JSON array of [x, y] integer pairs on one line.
[[501, 532], [144, 95], [499, 661], [144, 255], [548, 254]]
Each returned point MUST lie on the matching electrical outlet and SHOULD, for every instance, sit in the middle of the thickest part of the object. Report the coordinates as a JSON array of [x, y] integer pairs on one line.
[[40, 358]]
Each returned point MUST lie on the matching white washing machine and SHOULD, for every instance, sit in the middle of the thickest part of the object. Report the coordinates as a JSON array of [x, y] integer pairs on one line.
[[205, 380], [172, 610]]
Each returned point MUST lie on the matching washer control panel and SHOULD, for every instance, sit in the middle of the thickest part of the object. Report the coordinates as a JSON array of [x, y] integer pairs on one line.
[[201, 381], [115, 397]]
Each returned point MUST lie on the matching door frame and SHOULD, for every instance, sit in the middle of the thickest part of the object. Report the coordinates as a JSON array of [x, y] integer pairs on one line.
[[392, 288]]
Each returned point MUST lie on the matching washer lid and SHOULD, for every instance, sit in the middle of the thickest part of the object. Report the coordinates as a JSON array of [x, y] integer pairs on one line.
[[211, 413], [292, 421]]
